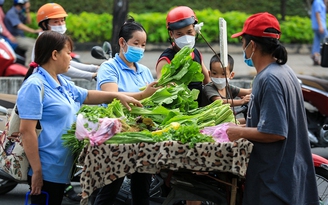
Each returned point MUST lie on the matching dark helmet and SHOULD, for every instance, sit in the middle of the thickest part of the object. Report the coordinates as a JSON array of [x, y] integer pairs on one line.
[[180, 17], [20, 2]]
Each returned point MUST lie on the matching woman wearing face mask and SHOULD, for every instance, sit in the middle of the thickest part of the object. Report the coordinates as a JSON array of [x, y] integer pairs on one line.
[[51, 16], [180, 22], [123, 73], [218, 90]]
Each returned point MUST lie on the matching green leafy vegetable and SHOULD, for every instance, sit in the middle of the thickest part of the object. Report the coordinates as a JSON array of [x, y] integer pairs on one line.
[[181, 70], [173, 96], [184, 134], [131, 137]]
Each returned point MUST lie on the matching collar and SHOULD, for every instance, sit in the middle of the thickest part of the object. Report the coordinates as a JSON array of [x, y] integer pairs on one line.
[[125, 67], [52, 83]]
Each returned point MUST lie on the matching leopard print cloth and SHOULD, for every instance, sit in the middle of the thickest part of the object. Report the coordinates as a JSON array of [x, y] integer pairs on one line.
[[105, 163]]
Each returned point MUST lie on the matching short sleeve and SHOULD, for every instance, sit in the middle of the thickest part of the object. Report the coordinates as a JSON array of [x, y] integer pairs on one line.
[[29, 99]]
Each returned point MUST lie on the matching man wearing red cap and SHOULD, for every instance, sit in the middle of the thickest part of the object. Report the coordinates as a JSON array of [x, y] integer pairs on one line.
[[280, 170]]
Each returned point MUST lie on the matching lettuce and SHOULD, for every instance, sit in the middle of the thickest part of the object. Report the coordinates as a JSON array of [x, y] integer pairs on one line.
[[181, 70], [172, 97]]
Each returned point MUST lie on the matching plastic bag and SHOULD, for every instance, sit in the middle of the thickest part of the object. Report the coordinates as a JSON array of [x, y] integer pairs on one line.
[[98, 132], [218, 132]]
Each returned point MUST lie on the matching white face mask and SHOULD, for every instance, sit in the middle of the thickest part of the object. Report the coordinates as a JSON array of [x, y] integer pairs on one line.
[[60, 29], [219, 83], [185, 40]]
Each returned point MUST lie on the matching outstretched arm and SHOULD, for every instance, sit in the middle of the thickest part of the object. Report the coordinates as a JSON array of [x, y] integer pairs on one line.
[[84, 67], [97, 97], [251, 133], [150, 89], [25, 28], [77, 73]]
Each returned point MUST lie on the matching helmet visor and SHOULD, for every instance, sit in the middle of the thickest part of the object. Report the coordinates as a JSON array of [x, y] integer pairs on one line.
[[181, 24]]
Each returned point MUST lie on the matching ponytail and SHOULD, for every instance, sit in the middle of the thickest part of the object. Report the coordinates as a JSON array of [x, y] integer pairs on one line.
[[33, 65], [280, 53]]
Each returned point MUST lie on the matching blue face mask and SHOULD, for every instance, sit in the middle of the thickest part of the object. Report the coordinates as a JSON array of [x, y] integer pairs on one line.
[[249, 60], [23, 10], [133, 54]]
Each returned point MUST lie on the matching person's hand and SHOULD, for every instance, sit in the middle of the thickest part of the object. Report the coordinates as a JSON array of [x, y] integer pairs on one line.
[[36, 183], [150, 89], [12, 39], [38, 30], [233, 132], [126, 100], [246, 99], [94, 75]]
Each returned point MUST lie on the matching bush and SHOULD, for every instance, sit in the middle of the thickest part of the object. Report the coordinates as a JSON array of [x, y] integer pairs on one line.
[[91, 27], [292, 7]]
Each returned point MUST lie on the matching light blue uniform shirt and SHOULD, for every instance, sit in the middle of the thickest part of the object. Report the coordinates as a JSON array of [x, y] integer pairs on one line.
[[128, 80], [318, 6], [56, 110]]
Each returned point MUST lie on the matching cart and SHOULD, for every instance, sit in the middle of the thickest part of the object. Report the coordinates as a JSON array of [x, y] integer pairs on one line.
[[105, 163]]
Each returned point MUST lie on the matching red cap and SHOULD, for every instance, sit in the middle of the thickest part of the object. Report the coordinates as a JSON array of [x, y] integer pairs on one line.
[[256, 25]]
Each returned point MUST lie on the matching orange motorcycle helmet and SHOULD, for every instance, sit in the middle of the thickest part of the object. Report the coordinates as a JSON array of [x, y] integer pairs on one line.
[[49, 11], [180, 17]]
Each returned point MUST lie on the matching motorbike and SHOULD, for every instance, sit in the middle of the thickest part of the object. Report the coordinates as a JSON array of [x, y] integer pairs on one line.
[[103, 52], [8, 58], [315, 94], [321, 170], [12, 61]]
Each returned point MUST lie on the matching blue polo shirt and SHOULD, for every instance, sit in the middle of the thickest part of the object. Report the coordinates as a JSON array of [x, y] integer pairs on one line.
[[12, 19], [128, 80], [318, 6], [56, 110]]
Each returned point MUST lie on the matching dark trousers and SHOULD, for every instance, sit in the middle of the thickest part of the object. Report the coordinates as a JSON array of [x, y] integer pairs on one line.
[[140, 184], [55, 191]]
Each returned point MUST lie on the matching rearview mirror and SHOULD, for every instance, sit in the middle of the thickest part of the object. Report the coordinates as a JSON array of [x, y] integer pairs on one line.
[[98, 53], [107, 47]]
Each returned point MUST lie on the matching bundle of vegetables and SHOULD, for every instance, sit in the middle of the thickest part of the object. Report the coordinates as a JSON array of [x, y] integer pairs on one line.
[[154, 124], [173, 96], [171, 113], [174, 132], [181, 70]]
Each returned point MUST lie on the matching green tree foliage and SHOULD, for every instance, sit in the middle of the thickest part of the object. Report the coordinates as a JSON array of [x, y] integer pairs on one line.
[[293, 7], [91, 27], [93, 23]]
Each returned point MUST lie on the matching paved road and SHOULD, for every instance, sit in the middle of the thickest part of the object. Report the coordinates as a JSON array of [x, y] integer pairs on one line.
[[17, 196], [300, 63]]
